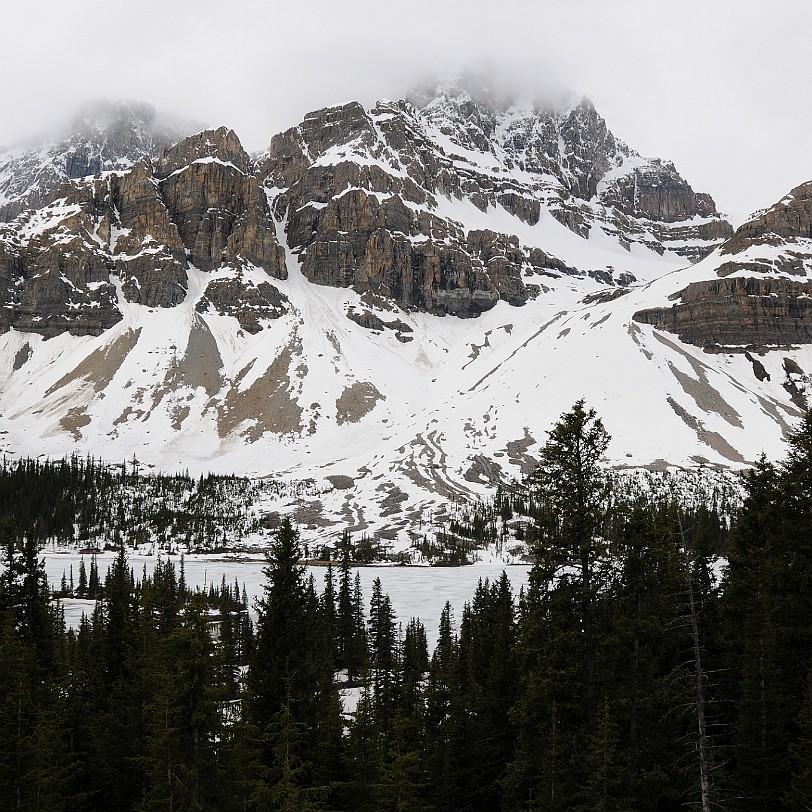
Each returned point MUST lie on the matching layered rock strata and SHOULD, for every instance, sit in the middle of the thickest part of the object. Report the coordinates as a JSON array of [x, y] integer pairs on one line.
[[373, 200], [760, 295], [738, 313], [361, 192]]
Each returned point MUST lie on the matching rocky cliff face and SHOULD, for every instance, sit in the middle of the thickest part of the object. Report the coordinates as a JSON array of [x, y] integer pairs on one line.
[[437, 204], [362, 193], [104, 136], [759, 294], [738, 312], [786, 224], [134, 234]]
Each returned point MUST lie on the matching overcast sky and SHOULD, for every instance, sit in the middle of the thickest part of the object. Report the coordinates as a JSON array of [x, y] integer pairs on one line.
[[721, 87]]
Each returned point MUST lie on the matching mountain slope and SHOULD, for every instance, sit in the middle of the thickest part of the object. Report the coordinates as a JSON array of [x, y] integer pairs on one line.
[[396, 303]]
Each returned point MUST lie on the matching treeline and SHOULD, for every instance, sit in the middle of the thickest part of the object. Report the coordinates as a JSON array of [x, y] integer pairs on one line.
[[630, 675], [82, 501]]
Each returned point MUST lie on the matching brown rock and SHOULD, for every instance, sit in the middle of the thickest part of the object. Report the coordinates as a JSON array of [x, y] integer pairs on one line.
[[247, 302], [218, 207], [789, 219], [738, 312], [128, 224]]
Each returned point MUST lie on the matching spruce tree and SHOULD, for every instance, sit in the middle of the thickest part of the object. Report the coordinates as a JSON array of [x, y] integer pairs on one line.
[[291, 667], [570, 488]]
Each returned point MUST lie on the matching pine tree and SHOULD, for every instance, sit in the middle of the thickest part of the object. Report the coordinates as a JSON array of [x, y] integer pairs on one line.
[[571, 488], [768, 617], [183, 722], [93, 584], [799, 793], [351, 643], [291, 664], [82, 589], [329, 612]]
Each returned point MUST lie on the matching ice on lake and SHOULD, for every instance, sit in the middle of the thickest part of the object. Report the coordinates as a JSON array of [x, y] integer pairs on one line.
[[419, 592]]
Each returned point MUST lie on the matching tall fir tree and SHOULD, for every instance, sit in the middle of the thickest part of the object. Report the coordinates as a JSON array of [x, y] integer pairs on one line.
[[291, 666]]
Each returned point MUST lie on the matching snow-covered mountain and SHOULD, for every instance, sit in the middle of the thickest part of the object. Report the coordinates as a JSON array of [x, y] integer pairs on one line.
[[103, 136], [399, 302]]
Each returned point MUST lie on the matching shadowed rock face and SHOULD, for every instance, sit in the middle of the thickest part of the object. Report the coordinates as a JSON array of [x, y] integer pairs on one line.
[[246, 302], [417, 260], [738, 312]]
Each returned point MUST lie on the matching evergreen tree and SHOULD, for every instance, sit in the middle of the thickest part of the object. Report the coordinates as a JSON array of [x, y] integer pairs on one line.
[[329, 611], [82, 589], [351, 642], [291, 666], [570, 488], [768, 616], [183, 723], [94, 586], [799, 792]]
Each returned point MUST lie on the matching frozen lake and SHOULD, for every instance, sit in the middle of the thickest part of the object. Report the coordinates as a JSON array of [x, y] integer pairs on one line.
[[419, 592]]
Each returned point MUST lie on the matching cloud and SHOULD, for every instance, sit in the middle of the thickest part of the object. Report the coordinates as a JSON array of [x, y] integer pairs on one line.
[[720, 88]]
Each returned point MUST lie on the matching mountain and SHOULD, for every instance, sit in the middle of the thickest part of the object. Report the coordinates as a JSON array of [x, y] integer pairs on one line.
[[103, 136], [401, 179], [758, 293], [396, 304]]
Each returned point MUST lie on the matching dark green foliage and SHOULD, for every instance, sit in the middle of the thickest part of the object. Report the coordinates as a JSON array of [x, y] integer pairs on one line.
[[292, 667], [350, 644], [110, 504], [625, 677], [768, 614]]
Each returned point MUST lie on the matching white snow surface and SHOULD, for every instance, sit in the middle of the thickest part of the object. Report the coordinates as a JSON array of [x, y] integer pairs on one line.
[[408, 423], [394, 433]]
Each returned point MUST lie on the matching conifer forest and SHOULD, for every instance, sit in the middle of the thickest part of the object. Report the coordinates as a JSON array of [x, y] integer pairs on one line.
[[635, 673]]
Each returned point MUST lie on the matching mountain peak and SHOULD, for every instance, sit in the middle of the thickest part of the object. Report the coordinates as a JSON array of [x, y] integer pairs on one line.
[[493, 93], [221, 144], [103, 135]]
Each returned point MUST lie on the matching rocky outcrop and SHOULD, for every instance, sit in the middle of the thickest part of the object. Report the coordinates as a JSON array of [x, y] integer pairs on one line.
[[370, 321], [361, 192], [218, 207], [54, 286], [761, 293], [738, 312], [411, 256], [248, 302], [146, 245], [369, 200], [788, 220], [384, 247], [657, 191], [138, 230]]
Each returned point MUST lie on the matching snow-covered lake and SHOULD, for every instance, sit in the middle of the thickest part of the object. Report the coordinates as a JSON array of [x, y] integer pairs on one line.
[[419, 592]]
